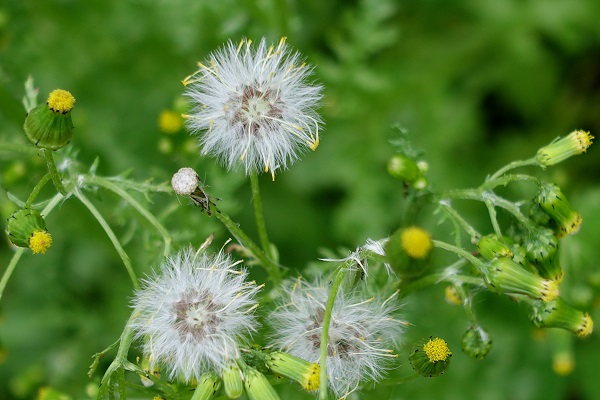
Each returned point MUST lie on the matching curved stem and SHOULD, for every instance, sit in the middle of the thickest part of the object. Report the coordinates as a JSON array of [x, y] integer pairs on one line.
[[339, 277], [259, 215], [513, 165], [108, 184], [271, 267], [506, 179], [17, 256], [111, 235], [434, 279], [460, 220], [460, 252], [54, 172], [36, 190]]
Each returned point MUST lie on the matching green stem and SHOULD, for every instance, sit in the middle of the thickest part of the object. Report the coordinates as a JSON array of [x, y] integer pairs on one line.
[[513, 165], [108, 184], [506, 179], [460, 252], [461, 221], [36, 190], [259, 215], [111, 235], [17, 256], [493, 217], [54, 172], [271, 268], [339, 277], [436, 278]]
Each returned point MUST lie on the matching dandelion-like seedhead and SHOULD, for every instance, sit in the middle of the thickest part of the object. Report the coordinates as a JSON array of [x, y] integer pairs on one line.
[[254, 105], [361, 332], [193, 313]]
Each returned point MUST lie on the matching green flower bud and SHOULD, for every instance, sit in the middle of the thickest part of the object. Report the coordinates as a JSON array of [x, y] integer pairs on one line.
[[541, 245], [476, 342], [559, 314], [27, 228], [208, 385], [49, 125], [550, 269], [407, 251], [491, 247], [403, 167], [258, 386], [431, 357], [577, 142], [232, 381], [305, 373], [507, 277], [519, 255], [555, 204]]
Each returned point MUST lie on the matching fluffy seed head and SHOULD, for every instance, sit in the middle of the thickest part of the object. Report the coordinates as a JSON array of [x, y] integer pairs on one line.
[[253, 105], [361, 333], [193, 313]]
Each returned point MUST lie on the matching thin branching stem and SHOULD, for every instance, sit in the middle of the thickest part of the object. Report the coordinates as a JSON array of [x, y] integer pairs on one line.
[[111, 235], [115, 188], [54, 172]]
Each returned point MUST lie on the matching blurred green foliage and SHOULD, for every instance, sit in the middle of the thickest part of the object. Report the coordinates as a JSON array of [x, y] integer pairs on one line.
[[476, 83]]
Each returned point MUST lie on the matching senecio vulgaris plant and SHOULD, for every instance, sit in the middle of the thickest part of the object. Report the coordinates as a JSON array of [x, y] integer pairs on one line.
[[205, 330]]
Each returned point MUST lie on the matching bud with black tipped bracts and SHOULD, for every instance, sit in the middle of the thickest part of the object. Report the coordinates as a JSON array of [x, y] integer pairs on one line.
[[559, 314], [431, 357], [297, 369], [552, 200], [490, 247], [49, 125], [232, 381], [550, 269], [577, 142], [541, 245], [519, 255], [476, 342], [208, 385], [27, 228], [505, 276], [403, 167], [407, 251], [258, 386]]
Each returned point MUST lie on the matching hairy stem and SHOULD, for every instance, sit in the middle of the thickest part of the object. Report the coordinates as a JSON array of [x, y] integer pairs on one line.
[[36, 190], [513, 165]]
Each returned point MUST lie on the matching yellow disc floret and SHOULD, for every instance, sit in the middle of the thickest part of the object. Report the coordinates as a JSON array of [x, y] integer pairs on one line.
[[169, 122], [40, 241], [416, 242], [61, 101], [313, 375], [587, 326], [437, 350]]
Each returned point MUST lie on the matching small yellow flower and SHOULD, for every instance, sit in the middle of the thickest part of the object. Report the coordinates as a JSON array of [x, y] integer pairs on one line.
[[60, 101], [40, 241], [416, 242], [437, 350], [170, 122], [452, 295], [563, 364]]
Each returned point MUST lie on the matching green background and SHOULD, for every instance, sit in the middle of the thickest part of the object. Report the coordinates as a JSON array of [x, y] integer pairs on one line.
[[476, 83]]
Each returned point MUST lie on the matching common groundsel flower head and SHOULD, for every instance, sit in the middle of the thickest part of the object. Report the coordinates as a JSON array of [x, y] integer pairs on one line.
[[361, 332], [193, 313], [253, 104]]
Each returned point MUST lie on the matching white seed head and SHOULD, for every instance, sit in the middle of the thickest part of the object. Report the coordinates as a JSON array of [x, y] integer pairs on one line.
[[361, 332], [253, 105], [193, 313], [185, 181]]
